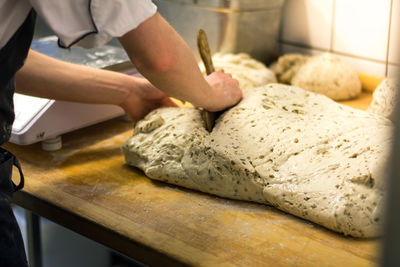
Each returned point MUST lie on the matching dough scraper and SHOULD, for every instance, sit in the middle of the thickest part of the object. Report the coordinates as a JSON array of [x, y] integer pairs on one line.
[[205, 54]]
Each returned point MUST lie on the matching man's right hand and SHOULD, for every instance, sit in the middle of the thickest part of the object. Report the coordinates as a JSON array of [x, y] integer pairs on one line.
[[226, 91]]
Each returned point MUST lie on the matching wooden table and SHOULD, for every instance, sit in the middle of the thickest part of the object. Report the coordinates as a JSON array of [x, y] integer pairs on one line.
[[87, 187]]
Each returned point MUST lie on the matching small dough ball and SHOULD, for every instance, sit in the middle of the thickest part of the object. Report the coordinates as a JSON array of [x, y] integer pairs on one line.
[[330, 76], [287, 66], [385, 98], [248, 71]]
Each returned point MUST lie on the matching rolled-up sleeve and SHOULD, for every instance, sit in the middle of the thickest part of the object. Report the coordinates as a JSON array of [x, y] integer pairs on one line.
[[92, 23]]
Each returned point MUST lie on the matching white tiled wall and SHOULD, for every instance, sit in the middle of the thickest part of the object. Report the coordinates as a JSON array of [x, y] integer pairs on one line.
[[364, 33], [308, 22]]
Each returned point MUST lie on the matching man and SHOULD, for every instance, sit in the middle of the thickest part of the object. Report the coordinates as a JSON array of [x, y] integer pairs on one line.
[[157, 51]]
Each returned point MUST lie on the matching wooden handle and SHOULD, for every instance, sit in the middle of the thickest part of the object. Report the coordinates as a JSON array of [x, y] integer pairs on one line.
[[205, 54]]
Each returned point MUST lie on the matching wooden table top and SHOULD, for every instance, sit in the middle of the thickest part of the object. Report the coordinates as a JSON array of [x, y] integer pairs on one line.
[[87, 187]]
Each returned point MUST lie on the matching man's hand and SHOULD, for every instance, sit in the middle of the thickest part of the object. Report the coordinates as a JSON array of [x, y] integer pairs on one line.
[[143, 98], [226, 91]]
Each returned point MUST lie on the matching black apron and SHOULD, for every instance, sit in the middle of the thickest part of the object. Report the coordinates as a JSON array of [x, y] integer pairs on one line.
[[12, 57]]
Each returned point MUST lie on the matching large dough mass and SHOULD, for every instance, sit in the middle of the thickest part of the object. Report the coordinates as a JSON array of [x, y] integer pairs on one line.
[[298, 151]]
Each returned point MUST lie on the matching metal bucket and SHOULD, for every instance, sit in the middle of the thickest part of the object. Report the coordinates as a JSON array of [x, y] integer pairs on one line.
[[232, 26]]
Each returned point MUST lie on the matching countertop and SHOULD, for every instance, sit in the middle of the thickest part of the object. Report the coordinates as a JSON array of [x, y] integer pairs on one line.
[[87, 187]]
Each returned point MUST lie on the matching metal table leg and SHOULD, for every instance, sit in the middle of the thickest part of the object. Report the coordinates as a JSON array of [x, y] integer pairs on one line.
[[34, 240]]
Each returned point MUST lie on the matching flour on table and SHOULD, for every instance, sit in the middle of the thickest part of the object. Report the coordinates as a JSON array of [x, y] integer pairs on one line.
[[248, 71], [283, 146]]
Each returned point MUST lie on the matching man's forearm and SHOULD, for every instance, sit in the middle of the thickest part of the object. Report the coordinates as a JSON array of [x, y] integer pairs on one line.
[[164, 59], [50, 78]]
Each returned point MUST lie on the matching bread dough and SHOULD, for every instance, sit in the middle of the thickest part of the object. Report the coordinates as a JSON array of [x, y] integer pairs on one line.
[[328, 75], [324, 74], [287, 66], [385, 98], [298, 151], [248, 71]]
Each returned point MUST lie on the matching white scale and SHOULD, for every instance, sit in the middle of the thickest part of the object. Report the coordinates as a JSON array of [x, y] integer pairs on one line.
[[45, 120]]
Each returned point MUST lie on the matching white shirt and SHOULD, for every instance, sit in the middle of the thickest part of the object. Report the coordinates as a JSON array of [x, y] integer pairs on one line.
[[87, 23]]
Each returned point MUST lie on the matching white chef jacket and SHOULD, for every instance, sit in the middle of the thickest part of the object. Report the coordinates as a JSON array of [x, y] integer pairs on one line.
[[87, 23]]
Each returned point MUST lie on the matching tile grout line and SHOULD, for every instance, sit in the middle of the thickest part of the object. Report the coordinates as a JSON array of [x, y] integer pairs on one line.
[[388, 39], [333, 19]]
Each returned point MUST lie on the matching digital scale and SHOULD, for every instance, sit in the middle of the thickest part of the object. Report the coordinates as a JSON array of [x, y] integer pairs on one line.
[[45, 120]]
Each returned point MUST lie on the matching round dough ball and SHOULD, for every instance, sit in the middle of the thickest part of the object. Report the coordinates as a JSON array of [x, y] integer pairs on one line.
[[287, 66], [248, 71], [328, 75], [385, 98]]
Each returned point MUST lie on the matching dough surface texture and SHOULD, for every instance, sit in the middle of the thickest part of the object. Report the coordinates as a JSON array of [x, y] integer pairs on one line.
[[325, 74], [281, 145], [287, 66], [385, 98], [248, 71]]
